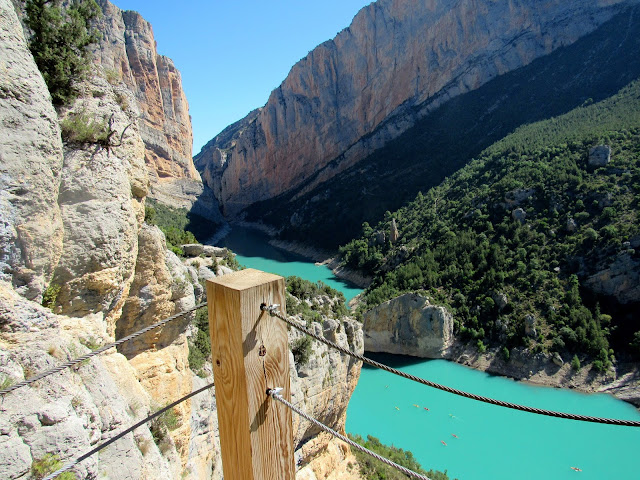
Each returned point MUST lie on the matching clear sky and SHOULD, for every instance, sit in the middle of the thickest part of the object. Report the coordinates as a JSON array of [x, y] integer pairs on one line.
[[233, 53]]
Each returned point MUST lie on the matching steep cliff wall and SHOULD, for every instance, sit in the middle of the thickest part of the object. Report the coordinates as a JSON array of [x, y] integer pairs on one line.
[[127, 50], [30, 163], [398, 61]]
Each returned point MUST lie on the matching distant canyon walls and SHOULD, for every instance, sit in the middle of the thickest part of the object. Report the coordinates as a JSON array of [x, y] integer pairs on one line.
[[127, 51], [397, 62]]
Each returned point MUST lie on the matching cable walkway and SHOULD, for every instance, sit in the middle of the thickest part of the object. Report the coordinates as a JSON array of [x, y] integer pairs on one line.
[[98, 351], [103, 445], [273, 310]]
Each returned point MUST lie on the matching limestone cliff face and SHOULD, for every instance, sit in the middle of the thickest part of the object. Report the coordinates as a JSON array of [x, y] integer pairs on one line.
[[398, 61], [323, 386], [30, 165], [408, 325], [128, 52]]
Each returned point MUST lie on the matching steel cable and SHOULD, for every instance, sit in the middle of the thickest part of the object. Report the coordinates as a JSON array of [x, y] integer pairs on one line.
[[273, 310], [93, 353], [273, 393], [95, 450]]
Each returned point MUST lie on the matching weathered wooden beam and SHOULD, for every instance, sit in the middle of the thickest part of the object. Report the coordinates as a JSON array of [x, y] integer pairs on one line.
[[250, 354]]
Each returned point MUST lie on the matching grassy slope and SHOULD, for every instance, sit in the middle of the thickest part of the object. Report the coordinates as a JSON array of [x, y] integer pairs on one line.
[[459, 242]]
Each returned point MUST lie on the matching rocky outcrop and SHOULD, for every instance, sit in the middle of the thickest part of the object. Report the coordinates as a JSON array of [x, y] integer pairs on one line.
[[127, 51], [70, 412], [101, 200], [620, 279], [323, 386], [599, 156], [408, 325], [30, 164], [397, 62]]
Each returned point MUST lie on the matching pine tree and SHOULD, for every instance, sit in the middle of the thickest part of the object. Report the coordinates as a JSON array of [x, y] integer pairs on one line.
[[59, 42]]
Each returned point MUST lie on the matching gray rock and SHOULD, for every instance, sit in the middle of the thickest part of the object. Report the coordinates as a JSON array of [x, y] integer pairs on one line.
[[500, 299], [571, 225], [529, 326], [393, 236], [193, 249], [212, 251], [557, 359], [408, 325], [31, 159], [599, 156], [519, 214], [620, 279], [516, 197]]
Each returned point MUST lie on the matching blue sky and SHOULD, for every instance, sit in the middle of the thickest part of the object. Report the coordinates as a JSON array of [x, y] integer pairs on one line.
[[233, 53]]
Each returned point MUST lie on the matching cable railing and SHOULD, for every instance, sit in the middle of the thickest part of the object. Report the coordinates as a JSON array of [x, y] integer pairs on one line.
[[93, 353], [273, 310], [274, 393]]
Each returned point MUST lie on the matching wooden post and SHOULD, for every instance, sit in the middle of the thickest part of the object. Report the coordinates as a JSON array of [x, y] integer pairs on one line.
[[250, 354]]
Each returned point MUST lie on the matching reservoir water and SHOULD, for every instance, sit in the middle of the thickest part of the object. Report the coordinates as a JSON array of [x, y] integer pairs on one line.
[[490, 442]]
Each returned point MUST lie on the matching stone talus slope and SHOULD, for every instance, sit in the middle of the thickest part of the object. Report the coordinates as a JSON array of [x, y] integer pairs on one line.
[[395, 63], [128, 50]]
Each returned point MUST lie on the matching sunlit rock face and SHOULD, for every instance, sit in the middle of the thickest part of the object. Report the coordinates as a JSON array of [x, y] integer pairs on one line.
[[127, 51], [394, 64]]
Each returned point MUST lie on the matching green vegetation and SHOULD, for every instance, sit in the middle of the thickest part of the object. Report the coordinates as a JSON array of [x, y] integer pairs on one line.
[[59, 42], [200, 343], [49, 464], [178, 225], [161, 425], [575, 363], [305, 290], [460, 244], [373, 469], [80, 128], [301, 349], [50, 295]]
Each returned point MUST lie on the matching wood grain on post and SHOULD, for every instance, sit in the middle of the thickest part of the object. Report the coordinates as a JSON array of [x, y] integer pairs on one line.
[[250, 354]]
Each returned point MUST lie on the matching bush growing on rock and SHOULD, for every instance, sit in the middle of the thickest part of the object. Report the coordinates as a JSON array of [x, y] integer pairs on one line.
[[59, 42]]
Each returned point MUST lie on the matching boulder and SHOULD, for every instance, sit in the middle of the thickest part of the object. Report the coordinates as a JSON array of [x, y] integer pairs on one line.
[[519, 214], [192, 249], [408, 325], [599, 156], [529, 326], [557, 359], [500, 299], [212, 251]]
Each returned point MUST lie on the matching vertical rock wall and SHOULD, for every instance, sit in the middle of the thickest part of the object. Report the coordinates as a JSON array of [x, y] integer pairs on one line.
[[128, 52], [396, 62], [30, 165]]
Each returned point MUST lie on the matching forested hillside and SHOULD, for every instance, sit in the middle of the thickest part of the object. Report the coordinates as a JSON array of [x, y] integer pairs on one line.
[[516, 242]]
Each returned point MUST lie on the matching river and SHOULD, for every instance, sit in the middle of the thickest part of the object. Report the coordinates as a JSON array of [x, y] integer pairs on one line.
[[483, 442]]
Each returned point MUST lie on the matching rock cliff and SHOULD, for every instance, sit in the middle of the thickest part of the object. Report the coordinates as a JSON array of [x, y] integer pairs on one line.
[[31, 161], [127, 51], [396, 63], [408, 325]]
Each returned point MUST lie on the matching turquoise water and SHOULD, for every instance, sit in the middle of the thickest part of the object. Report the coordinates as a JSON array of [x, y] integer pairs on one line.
[[492, 443], [253, 251]]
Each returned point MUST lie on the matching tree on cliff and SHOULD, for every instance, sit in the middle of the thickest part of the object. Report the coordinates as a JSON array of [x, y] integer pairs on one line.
[[60, 37]]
